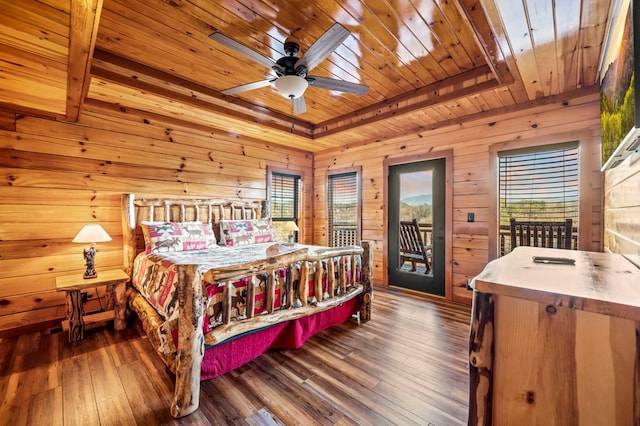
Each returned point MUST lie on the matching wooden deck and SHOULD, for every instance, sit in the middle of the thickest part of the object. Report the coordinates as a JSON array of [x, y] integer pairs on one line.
[[420, 269], [408, 365]]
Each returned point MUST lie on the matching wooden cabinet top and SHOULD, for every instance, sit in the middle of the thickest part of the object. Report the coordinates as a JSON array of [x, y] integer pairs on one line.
[[604, 283], [77, 281]]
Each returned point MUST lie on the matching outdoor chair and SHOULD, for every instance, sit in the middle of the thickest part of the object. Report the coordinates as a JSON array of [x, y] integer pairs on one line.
[[412, 247], [541, 234]]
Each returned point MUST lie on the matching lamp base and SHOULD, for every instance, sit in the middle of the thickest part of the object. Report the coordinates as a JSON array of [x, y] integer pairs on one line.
[[89, 257]]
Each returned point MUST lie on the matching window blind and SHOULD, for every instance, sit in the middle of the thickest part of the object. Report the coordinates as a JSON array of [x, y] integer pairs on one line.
[[539, 185], [343, 209], [284, 197]]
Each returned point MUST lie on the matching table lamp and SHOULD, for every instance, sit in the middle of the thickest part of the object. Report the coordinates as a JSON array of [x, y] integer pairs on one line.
[[291, 227], [91, 233]]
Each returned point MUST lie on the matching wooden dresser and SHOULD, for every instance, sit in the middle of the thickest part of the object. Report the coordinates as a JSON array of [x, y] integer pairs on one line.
[[555, 344]]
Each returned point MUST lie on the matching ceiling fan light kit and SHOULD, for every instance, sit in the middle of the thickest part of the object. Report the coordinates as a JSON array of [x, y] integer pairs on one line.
[[291, 86], [291, 79]]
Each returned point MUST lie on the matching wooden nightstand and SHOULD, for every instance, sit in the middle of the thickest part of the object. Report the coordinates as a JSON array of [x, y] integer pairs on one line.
[[115, 281]]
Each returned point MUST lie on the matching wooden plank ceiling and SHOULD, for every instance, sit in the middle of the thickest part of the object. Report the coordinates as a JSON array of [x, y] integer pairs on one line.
[[427, 63]]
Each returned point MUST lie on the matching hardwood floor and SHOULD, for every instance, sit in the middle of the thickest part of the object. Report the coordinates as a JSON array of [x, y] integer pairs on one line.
[[408, 365]]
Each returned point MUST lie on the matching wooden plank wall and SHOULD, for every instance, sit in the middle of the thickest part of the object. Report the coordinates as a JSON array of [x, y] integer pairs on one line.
[[622, 209], [59, 176], [470, 142]]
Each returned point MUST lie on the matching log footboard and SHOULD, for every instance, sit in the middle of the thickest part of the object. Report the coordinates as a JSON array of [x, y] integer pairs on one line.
[[185, 359]]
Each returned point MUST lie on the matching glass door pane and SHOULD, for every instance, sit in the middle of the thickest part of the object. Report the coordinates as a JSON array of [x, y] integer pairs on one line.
[[416, 226]]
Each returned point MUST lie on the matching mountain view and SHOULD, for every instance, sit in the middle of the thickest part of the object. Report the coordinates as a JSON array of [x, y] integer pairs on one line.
[[617, 97], [417, 200], [418, 207]]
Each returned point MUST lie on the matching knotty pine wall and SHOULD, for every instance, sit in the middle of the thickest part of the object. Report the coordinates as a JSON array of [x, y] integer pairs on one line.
[[622, 209], [471, 143], [59, 176]]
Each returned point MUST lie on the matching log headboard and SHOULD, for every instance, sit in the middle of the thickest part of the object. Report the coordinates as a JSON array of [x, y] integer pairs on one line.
[[207, 210]]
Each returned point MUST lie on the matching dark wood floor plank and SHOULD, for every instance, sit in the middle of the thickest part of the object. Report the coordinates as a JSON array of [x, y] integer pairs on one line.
[[418, 404], [45, 408], [7, 350], [325, 358], [79, 404], [263, 417], [104, 374], [307, 399], [147, 406], [121, 345], [431, 384], [361, 404], [219, 410], [278, 397], [116, 411], [229, 388], [408, 365]]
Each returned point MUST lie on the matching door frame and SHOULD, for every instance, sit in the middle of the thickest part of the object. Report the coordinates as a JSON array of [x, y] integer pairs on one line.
[[448, 214]]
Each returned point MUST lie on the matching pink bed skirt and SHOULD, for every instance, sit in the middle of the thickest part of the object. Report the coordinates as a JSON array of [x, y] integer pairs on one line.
[[292, 334]]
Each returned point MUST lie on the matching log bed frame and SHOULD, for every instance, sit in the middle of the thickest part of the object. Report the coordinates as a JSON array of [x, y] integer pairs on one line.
[[186, 361]]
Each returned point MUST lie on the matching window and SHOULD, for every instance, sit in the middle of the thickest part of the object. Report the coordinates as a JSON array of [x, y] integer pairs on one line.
[[538, 184], [285, 203], [344, 207]]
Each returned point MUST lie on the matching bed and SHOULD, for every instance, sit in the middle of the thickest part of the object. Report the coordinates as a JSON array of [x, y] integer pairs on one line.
[[208, 308]]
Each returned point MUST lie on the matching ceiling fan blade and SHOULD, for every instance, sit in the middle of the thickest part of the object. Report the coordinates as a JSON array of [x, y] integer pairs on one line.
[[246, 87], [323, 46], [338, 85], [299, 105], [242, 49]]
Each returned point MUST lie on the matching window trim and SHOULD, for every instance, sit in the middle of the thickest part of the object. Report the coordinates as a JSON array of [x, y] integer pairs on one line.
[[341, 171], [585, 142], [539, 182], [296, 195], [300, 220]]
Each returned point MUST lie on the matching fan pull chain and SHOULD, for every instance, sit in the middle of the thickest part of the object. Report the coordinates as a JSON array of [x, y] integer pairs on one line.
[[292, 119]]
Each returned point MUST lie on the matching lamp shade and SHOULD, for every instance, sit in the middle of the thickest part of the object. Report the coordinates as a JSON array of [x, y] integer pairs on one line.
[[291, 86], [92, 233], [291, 226]]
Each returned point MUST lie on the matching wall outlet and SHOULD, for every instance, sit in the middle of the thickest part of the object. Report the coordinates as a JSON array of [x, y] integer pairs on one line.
[[471, 217]]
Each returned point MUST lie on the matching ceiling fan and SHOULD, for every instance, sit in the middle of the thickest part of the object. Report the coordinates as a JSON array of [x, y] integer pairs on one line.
[[292, 79]]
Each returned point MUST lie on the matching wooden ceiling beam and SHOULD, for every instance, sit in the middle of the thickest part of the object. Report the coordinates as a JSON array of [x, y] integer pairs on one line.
[[193, 102], [24, 110], [8, 121], [150, 117], [465, 84], [475, 17], [83, 28], [149, 79], [566, 99]]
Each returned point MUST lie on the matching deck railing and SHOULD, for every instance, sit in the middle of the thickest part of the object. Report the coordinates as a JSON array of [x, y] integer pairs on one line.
[[345, 235], [504, 239], [426, 229]]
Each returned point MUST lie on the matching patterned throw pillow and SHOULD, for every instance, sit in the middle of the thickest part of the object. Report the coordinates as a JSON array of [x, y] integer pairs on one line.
[[162, 237], [245, 232]]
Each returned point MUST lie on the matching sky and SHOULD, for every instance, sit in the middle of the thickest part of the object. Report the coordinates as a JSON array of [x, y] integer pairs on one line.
[[615, 34], [416, 183]]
